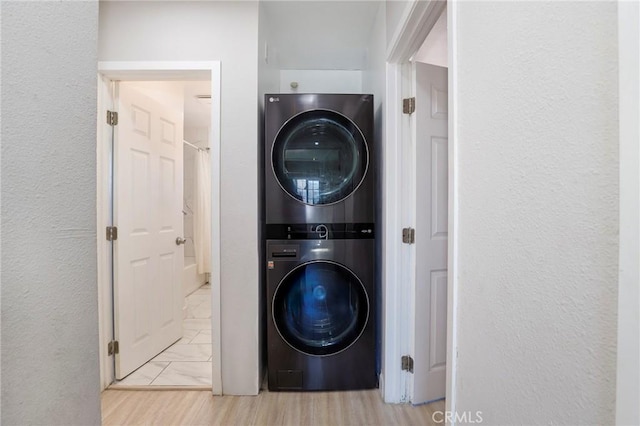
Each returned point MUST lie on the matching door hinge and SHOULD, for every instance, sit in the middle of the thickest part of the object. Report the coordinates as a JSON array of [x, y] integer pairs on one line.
[[112, 118], [407, 363], [112, 233], [408, 235], [409, 105], [113, 348]]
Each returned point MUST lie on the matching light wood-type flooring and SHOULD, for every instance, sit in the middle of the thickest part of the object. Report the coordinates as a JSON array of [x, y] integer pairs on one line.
[[187, 407]]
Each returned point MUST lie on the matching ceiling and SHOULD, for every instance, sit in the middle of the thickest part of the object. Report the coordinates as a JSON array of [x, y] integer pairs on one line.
[[319, 35]]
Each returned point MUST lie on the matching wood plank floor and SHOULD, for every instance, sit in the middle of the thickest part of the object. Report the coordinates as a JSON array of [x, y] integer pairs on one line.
[[186, 407]]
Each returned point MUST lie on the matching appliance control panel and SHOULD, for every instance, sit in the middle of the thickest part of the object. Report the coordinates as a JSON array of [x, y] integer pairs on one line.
[[320, 231]]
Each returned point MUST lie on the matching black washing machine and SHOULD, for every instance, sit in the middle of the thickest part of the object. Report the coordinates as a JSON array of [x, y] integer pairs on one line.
[[318, 157], [320, 306]]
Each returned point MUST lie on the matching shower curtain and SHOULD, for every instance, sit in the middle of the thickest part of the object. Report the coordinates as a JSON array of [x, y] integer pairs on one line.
[[202, 217]]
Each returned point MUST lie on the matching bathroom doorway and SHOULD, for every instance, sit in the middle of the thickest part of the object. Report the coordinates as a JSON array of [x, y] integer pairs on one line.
[[190, 356]]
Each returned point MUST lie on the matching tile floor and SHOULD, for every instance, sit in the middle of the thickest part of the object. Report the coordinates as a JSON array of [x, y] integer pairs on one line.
[[188, 361]]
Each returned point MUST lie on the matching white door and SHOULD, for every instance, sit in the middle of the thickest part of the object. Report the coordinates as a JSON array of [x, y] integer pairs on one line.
[[430, 350], [148, 263]]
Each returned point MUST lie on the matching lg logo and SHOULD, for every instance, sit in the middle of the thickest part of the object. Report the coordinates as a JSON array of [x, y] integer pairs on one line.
[[272, 99]]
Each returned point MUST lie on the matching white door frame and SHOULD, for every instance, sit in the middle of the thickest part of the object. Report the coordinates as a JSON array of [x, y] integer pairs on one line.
[[628, 373], [393, 383], [169, 70], [418, 19], [452, 255]]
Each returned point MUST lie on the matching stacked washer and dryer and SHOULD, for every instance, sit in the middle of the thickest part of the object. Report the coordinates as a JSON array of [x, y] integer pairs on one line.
[[320, 243]]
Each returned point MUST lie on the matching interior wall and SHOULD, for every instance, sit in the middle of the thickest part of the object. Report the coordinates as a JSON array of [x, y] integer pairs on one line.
[[168, 93], [198, 136], [197, 131], [374, 81], [268, 82], [50, 366], [537, 160], [228, 32], [321, 81], [394, 11], [320, 35]]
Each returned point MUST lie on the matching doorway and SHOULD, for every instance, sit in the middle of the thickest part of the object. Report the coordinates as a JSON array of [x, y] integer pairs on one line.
[[142, 73], [418, 185]]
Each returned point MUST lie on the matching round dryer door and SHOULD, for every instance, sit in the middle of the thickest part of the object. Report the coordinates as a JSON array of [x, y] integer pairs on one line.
[[319, 157], [320, 308]]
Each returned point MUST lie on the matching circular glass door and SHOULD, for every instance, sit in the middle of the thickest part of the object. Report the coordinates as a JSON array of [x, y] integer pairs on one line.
[[319, 157], [320, 308]]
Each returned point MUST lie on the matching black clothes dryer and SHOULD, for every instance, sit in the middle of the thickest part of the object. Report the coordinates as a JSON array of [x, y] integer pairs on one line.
[[320, 314], [318, 157]]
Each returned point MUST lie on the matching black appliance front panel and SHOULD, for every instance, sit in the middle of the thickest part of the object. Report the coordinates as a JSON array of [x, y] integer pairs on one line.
[[319, 156], [309, 345]]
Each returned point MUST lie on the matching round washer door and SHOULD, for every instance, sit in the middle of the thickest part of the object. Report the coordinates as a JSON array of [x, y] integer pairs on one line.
[[320, 308], [319, 157]]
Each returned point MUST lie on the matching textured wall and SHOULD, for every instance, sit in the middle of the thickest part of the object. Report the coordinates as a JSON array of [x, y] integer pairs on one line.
[[228, 32], [538, 211], [50, 372]]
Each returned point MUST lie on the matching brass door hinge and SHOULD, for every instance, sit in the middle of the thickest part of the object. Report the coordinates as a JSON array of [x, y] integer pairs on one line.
[[409, 105], [113, 348], [112, 118], [407, 363], [408, 235], [112, 233]]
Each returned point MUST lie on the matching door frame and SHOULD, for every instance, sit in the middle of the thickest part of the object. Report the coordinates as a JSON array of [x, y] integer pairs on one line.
[[417, 20], [109, 72], [628, 387]]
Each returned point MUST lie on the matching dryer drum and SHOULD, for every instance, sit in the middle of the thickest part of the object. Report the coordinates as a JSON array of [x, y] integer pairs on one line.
[[320, 308], [319, 157]]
